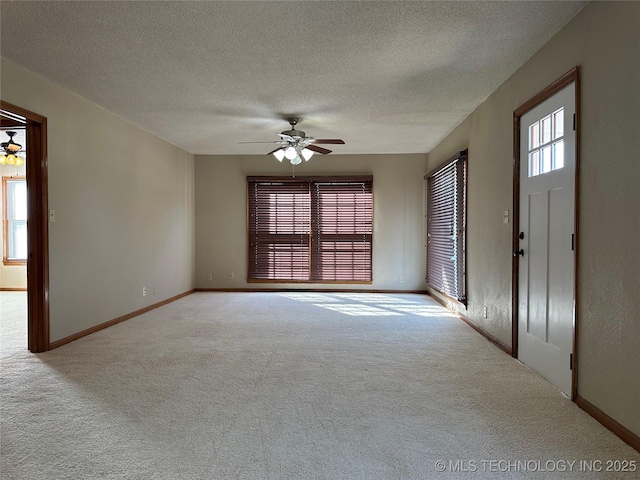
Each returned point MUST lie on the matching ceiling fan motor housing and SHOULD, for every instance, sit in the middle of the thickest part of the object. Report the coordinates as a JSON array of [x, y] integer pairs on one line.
[[293, 121], [294, 133]]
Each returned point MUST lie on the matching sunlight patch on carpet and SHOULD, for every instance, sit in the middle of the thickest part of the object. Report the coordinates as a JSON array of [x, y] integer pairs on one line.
[[310, 297], [378, 298], [422, 310], [354, 309]]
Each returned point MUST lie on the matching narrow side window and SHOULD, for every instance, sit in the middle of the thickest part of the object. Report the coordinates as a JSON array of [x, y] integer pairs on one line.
[[446, 201]]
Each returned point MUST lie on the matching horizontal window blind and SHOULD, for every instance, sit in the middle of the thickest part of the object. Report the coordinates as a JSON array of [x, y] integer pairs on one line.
[[342, 224], [279, 222], [446, 228], [311, 229]]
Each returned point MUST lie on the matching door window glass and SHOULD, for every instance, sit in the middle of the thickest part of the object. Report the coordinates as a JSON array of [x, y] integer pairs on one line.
[[546, 144]]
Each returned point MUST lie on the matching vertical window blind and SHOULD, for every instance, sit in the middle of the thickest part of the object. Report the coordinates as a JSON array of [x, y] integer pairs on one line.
[[446, 227], [310, 229]]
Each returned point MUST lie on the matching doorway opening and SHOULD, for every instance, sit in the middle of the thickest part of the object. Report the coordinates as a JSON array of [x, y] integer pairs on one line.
[[13, 268], [37, 262]]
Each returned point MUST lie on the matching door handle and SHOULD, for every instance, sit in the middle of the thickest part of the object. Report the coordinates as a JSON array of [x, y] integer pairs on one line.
[[518, 252]]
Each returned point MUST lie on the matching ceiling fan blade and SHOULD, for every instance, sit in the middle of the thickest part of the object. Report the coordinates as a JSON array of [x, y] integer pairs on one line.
[[273, 151], [321, 150], [334, 141]]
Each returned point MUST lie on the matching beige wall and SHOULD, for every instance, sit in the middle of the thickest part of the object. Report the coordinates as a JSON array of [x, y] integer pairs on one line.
[[398, 237], [604, 40], [11, 276], [124, 208]]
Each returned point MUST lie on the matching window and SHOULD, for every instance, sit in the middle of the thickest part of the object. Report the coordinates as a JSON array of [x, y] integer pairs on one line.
[[310, 229], [546, 144], [14, 219], [446, 227]]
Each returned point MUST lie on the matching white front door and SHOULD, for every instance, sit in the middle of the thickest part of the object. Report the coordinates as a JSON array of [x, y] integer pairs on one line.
[[546, 268]]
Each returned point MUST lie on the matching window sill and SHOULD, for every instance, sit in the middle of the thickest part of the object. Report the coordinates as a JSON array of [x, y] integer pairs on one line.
[[14, 262], [450, 302], [313, 282]]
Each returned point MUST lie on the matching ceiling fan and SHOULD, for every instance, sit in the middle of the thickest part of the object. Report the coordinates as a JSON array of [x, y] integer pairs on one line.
[[9, 152], [295, 145]]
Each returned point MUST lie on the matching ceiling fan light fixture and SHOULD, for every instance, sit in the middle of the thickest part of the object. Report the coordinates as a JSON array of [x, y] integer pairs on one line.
[[290, 153], [10, 152], [296, 161], [306, 154], [11, 146], [279, 154]]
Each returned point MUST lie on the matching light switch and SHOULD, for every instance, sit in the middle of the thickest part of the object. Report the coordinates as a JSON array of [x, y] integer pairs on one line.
[[52, 216]]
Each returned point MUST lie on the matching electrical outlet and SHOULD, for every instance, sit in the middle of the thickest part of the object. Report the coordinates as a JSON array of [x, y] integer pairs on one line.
[[484, 311], [505, 216], [232, 275], [209, 276], [144, 291], [401, 278]]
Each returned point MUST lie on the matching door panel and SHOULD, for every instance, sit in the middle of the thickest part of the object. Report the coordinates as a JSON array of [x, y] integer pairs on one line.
[[546, 270], [560, 294], [537, 265]]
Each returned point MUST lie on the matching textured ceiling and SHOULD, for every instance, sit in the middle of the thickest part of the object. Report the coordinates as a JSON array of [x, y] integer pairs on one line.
[[387, 77]]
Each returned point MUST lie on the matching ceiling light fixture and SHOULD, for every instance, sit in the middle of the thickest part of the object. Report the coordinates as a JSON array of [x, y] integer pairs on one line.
[[293, 154], [279, 154], [11, 148], [306, 154]]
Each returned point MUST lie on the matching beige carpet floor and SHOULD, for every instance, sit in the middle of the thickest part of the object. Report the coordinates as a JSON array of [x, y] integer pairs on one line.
[[292, 386], [13, 323]]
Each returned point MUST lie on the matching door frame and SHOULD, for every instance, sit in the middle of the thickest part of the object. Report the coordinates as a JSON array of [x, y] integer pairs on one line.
[[38, 224], [572, 76]]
